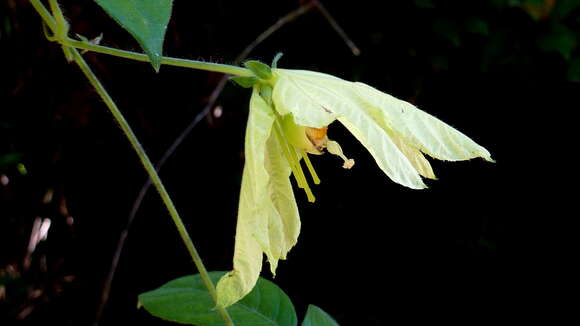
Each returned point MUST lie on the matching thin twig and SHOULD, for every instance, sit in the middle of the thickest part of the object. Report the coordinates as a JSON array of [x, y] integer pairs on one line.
[[355, 50]]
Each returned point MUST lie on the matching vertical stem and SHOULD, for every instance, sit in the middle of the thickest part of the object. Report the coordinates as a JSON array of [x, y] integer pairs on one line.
[[46, 16], [153, 176]]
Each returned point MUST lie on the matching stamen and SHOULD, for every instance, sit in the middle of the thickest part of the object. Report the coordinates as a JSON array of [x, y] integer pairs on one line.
[[289, 157], [309, 194], [293, 161], [310, 167], [301, 175], [334, 148]]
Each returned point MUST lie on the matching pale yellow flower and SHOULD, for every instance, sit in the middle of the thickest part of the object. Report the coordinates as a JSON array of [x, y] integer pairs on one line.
[[290, 112]]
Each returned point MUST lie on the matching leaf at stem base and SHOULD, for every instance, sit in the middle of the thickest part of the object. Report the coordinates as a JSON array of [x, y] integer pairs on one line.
[[186, 300]]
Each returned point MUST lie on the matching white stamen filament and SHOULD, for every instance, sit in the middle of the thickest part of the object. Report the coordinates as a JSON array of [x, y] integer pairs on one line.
[[334, 148]]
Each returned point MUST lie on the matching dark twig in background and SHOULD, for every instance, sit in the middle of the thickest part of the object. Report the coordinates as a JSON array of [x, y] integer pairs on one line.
[[355, 50], [200, 116]]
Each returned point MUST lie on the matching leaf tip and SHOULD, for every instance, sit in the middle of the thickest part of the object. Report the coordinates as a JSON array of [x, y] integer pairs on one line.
[[155, 61]]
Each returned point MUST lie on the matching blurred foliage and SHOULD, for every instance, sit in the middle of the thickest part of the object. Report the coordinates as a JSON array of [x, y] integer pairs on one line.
[[555, 24]]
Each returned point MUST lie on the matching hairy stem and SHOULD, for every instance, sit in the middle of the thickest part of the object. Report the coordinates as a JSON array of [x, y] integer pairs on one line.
[[192, 64], [45, 14]]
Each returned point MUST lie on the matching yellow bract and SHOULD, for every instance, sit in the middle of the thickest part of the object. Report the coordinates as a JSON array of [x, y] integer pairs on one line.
[[395, 132], [268, 220], [289, 117]]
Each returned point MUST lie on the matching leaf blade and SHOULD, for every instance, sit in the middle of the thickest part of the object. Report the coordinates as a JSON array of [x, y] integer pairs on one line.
[[145, 20], [186, 300], [318, 317]]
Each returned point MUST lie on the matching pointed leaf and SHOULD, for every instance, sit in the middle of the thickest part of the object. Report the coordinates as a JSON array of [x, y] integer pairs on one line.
[[146, 20], [186, 300], [318, 317]]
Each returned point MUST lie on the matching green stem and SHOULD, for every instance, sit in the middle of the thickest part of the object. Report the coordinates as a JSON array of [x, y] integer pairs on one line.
[[185, 63], [45, 14], [153, 176], [192, 64], [55, 26]]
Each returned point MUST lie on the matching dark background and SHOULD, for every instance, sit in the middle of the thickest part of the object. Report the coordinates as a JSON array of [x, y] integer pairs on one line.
[[472, 248]]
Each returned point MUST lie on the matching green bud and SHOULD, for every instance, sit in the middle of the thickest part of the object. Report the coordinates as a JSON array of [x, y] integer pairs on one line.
[[245, 82], [259, 69]]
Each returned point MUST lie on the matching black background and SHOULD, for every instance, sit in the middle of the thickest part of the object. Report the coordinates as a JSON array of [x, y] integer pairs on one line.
[[371, 252]]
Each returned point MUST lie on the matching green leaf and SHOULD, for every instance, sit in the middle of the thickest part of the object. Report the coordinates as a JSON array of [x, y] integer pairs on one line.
[[560, 39], [146, 20], [317, 317], [186, 300]]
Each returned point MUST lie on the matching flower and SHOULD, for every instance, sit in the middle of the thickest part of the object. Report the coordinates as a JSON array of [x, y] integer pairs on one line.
[[290, 111]]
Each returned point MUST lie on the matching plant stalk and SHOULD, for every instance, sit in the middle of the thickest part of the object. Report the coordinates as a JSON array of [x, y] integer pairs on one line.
[[178, 62], [186, 63], [146, 162]]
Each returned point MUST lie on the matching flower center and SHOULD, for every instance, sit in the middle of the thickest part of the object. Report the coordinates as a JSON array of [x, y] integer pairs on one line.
[[293, 156], [317, 137]]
